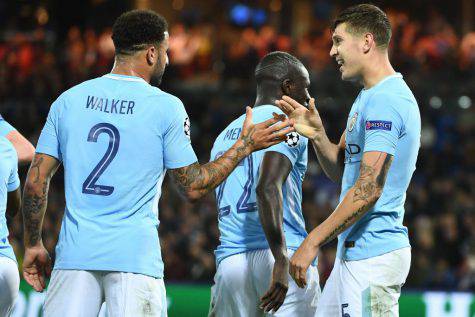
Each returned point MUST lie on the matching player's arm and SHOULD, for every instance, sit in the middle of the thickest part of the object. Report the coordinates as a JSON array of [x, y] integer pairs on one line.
[[36, 263], [358, 200], [308, 123], [196, 180], [23, 147], [274, 170], [13, 203]]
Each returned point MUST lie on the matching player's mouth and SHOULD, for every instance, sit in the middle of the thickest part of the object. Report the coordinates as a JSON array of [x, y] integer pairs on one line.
[[340, 63]]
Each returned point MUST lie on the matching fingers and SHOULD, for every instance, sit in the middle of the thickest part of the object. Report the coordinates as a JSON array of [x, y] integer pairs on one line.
[[274, 298], [294, 104], [311, 105], [301, 278], [298, 274], [280, 117], [279, 126], [284, 106], [248, 119], [33, 279], [269, 122]]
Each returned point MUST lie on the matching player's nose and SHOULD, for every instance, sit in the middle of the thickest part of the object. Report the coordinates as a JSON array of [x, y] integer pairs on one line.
[[333, 51]]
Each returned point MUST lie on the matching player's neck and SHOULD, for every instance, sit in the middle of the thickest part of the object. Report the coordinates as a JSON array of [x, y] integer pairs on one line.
[[129, 68], [265, 100], [379, 69]]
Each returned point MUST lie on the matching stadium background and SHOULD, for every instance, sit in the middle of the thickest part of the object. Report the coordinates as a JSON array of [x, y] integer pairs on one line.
[[48, 46]]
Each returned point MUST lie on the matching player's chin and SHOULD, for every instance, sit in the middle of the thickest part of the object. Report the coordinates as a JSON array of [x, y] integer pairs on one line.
[[156, 79]]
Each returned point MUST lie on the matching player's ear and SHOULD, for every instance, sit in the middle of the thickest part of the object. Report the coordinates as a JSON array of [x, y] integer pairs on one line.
[[287, 86], [151, 55], [368, 42]]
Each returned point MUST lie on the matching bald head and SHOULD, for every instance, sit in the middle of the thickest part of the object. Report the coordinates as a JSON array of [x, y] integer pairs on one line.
[[280, 73], [277, 66]]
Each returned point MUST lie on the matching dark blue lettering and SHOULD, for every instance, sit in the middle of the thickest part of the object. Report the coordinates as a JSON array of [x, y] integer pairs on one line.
[[131, 107], [105, 106], [90, 102], [114, 106], [122, 106]]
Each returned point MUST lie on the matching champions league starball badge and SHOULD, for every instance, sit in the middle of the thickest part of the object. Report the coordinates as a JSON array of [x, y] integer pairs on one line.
[[292, 139], [352, 122], [187, 127]]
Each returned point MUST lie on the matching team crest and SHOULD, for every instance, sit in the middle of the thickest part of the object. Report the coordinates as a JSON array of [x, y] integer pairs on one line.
[[292, 139], [187, 127], [353, 119]]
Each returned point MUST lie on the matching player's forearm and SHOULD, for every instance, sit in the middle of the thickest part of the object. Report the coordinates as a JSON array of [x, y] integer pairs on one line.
[[329, 156], [35, 196], [197, 180], [269, 201], [357, 201], [33, 210]]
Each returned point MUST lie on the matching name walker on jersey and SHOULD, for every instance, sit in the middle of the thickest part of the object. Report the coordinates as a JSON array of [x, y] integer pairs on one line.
[[117, 106]]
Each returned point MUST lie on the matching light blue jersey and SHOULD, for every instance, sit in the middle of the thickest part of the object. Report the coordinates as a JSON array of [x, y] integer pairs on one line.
[[239, 224], [384, 118], [9, 181], [116, 136], [5, 127]]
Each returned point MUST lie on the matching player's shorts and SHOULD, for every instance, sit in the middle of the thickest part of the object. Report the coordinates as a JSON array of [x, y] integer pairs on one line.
[[243, 278], [81, 293], [369, 287], [9, 285]]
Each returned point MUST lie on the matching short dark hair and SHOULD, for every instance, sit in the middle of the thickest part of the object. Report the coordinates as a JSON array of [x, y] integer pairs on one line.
[[366, 18], [276, 66], [135, 29]]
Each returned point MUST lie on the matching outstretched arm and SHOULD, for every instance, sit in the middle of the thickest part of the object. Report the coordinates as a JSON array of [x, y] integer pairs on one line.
[[196, 180], [23, 147], [308, 123], [358, 200], [274, 170], [36, 263]]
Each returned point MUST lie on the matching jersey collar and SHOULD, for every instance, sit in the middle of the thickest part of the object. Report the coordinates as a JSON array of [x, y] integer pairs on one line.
[[124, 77], [396, 75]]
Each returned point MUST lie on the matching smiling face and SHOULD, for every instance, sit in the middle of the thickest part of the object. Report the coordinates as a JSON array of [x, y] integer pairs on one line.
[[348, 50]]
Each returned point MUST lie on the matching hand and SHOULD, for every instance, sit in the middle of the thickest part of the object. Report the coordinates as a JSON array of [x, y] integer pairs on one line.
[[300, 262], [262, 135], [275, 296], [307, 122], [36, 267]]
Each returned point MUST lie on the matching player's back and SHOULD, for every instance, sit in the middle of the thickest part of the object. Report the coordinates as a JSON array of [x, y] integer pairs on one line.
[[8, 182], [112, 136], [239, 224]]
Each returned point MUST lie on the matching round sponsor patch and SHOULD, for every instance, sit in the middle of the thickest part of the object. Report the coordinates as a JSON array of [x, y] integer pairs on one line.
[[187, 127], [292, 139], [352, 122]]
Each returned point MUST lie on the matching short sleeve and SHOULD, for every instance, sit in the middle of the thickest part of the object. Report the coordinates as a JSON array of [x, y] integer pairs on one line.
[[177, 149], [14, 180], [48, 143], [383, 124], [5, 127]]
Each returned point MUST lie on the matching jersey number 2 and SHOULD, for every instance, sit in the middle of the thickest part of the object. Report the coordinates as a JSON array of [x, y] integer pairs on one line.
[[244, 204], [89, 186]]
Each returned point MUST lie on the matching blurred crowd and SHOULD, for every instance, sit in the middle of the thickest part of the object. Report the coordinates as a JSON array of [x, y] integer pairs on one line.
[[211, 70]]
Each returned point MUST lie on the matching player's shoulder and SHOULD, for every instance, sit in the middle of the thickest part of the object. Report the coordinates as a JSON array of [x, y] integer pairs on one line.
[[398, 98], [73, 92], [264, 112], [164, 102], [6, 149]]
